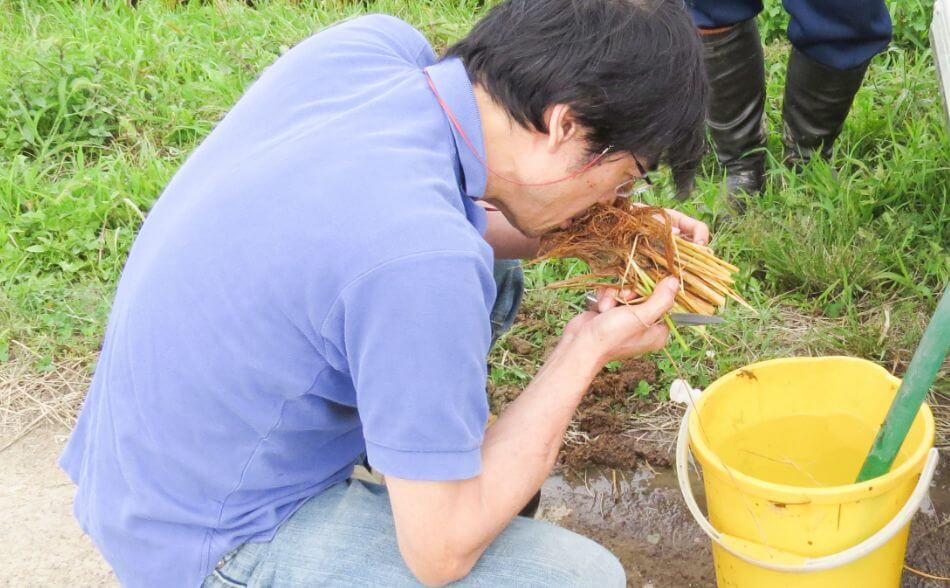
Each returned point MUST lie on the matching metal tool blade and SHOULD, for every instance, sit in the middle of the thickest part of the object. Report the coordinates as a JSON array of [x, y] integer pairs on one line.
[[690, 319], [686, 319]]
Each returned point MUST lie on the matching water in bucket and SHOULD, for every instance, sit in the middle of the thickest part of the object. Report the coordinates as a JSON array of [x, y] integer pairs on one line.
[[780, 443], [803, 450]]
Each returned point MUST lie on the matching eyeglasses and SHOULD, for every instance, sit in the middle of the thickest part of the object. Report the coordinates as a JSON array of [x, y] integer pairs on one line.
[[635, 186], [630, 188]]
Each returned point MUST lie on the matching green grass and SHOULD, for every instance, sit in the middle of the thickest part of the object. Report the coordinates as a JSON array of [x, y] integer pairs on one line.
[[102, 102]]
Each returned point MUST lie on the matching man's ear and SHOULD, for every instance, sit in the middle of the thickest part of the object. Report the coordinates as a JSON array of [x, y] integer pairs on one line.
[[562, 126]]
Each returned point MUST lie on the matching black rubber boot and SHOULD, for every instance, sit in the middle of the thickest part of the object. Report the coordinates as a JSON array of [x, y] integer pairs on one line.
[[817, 100], [531, 508], [736, 69]]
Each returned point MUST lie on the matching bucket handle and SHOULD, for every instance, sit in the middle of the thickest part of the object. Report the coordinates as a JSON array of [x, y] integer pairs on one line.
[[788, 562]]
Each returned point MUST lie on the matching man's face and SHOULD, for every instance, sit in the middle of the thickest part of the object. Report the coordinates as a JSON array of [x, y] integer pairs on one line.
[[539, 209]]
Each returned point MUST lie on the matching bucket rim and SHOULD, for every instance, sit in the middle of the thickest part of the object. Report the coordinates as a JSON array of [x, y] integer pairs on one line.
[[793, 495]]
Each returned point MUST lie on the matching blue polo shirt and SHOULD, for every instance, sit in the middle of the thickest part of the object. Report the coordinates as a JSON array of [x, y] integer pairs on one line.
[[313, 283]]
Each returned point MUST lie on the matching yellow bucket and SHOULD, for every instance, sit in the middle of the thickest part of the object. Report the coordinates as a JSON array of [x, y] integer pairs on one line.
[[780, 443]]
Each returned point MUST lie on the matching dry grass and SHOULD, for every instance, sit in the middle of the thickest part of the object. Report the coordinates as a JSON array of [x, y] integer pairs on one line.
[[30, 397], [940, 405], [658, 426]]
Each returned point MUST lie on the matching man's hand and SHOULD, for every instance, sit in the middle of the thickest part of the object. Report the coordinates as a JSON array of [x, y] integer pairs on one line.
[[619, 332], [688, 227]]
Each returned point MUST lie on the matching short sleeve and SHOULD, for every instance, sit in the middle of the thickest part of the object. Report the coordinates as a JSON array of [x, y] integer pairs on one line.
[[392, 33], [416, 334]]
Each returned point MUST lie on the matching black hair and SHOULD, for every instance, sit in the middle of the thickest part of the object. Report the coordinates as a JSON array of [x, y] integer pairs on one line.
[[631, 70]]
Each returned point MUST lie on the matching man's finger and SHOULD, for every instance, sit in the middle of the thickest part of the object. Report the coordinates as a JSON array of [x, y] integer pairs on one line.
[[696, 229], [606, 299], [701, 233], [659, 302]]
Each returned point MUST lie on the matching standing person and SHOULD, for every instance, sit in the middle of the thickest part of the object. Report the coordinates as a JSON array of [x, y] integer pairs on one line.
[[315, 285], [832, 43]]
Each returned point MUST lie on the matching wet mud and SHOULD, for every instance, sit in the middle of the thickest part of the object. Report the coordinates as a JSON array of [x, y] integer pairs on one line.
[[640, 516]]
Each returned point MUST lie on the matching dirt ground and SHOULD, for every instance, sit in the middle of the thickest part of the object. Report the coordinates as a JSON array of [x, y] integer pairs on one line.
[[638, 514], [614, 484], [42, 543], [602, 423]]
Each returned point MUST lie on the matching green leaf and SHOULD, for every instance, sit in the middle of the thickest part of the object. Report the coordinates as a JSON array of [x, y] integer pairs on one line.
[[643, 389]]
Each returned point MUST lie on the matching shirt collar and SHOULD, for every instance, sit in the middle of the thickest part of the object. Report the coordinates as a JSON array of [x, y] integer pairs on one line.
[[451, 81]]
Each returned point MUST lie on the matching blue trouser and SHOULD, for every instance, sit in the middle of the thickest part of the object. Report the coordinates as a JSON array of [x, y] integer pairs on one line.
[[841, 34], [345, 536], [509, 285]]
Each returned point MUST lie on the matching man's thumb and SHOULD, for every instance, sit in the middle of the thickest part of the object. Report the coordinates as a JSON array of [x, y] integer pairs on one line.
[[660, 302]]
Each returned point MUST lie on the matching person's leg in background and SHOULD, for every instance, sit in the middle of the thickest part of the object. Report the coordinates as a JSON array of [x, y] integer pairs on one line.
[[732, 53], [509, 288], [346, 537], [833, 41]]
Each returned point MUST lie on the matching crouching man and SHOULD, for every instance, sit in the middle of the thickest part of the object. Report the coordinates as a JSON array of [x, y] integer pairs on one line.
[[316, 285]]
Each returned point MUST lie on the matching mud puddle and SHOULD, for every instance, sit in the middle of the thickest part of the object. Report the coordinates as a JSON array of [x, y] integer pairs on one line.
[[637, 515], [640, 516], [928, 548]]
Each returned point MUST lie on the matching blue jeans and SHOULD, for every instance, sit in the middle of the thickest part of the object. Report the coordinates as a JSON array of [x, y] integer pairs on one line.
[[509, 286], [345, 536], [841, 34]]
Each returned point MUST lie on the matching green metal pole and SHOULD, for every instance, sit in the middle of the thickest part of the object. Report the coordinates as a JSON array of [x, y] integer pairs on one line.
[[920, 375]]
